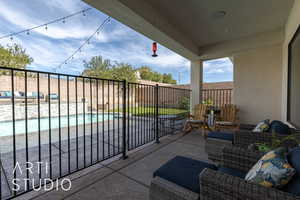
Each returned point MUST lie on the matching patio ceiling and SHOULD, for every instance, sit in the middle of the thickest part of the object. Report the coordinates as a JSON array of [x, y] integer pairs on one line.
[[204, 23], [196, 28]]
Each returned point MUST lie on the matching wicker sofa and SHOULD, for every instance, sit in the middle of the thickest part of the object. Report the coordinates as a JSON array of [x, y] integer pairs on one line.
[[217, 185], [241, 138]]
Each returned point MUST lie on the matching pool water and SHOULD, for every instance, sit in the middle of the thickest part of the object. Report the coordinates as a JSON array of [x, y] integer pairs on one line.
[[6, 128]]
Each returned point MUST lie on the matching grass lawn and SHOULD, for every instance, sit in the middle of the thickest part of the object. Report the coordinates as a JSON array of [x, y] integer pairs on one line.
[[151, 111]]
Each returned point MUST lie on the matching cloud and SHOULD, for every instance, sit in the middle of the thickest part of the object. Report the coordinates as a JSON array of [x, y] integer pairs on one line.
[[49, 48], [223, 65]]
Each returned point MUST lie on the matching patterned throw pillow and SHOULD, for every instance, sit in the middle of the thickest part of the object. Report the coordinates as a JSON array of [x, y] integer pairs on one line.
[[272, 170], [262, 126]]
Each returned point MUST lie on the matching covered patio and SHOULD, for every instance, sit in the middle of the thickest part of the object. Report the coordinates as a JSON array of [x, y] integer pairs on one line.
[[255, 35], [127, 179]]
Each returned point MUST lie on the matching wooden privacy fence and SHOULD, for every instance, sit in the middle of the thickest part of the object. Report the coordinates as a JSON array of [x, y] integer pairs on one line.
[[217, 97]]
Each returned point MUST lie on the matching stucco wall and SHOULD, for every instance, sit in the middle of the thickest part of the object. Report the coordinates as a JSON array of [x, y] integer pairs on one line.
[[257, 83], [290, 28]]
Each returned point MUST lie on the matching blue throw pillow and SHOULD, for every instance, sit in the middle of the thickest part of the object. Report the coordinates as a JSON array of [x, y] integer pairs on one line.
[[294, 159], [279, 128]]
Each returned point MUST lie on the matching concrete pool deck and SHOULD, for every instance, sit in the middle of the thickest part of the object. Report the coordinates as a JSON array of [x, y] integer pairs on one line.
[[129, 179], [110, 145]]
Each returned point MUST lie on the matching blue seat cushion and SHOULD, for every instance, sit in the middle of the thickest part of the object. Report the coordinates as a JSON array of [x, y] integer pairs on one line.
[[220, 135], [183, 172], [294, 159], [279, 128], [232, 172]]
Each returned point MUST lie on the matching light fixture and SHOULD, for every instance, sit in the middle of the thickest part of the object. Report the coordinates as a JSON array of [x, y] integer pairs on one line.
[[219, 14]]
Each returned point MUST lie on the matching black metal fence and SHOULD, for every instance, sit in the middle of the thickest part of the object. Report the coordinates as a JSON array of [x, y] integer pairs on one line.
[[52, 125]]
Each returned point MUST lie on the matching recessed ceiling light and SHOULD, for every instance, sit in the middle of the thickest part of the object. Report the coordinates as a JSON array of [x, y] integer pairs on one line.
[[219, 14]]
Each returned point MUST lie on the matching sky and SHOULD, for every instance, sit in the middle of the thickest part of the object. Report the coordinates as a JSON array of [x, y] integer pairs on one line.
[[117, 42]]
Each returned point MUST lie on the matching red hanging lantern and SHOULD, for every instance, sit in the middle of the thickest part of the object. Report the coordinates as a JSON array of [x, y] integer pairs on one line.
[[154, 49]]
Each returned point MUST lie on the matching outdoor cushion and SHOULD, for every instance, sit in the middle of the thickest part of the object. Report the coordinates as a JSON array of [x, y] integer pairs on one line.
[[232, 172], [294, 159], [272, 170], [221, 135], [183, 172], [279, 128], [262, 126]]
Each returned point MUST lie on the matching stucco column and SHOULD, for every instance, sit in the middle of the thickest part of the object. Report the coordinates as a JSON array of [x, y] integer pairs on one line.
[[196, 82]]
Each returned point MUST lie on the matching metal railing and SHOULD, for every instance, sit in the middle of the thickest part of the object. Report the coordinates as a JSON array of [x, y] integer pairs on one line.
[[61, 123], [217, 97]]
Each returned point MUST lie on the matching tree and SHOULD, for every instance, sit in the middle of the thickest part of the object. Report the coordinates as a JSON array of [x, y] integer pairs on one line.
[[97, 67], [123, 71], [14, 56], [147, 74], [167, 78], [100, 68]]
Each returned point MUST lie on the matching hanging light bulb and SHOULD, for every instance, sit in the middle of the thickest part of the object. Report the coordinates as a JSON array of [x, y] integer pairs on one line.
[[46, 27], [11, 38], [28, 33], [64, 20], [83, 13]]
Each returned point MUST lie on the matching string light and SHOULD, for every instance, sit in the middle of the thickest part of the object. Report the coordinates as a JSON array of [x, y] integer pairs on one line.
[[87, 41], [63, 19]]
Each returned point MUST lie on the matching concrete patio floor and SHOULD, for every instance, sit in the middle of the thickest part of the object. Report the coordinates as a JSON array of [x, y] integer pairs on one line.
[[128, 179]]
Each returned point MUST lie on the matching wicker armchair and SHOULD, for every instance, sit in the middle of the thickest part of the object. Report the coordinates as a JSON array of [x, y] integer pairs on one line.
[[162, 189], [241, 138], [217, 185]]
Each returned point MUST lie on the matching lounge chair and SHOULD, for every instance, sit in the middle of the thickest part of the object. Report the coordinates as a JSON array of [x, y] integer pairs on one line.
[[177, 180], [215, 141], [198, 120]]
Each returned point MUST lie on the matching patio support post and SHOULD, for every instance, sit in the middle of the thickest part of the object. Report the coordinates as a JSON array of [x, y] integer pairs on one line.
[[196, 83], [124, 120], [156, 113]]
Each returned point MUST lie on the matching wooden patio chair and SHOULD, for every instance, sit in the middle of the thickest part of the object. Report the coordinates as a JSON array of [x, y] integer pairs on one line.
[[198, 120], [228, 118]]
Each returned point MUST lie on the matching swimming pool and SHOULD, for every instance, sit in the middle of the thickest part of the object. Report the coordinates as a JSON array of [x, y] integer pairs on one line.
[[6, 128]]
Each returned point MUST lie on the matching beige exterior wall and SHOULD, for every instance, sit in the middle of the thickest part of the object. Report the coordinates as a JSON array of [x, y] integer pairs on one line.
[[257, 83], [291, 27]]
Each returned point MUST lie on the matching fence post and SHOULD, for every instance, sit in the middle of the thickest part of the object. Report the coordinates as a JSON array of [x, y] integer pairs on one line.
[[156, 113], [124, 119]]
